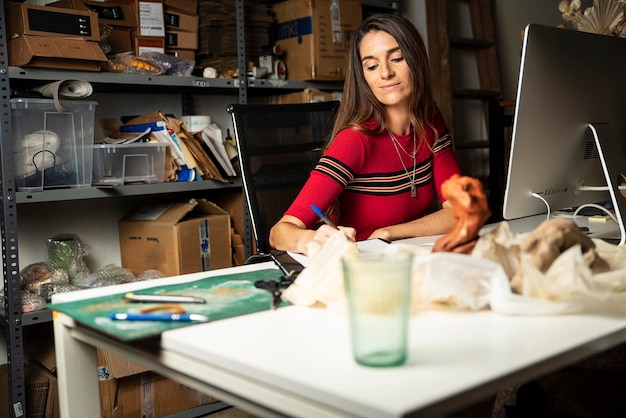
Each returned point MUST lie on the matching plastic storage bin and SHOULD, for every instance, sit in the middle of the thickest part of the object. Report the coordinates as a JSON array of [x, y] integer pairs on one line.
[[117, 164], [52, 149]]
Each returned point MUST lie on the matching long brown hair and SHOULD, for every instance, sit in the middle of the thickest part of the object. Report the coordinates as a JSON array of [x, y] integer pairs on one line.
[[358, 103]]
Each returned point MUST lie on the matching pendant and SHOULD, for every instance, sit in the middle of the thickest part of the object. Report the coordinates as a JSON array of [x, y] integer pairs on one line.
[[413, 191]]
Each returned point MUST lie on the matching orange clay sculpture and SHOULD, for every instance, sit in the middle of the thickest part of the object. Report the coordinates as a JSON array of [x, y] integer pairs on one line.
[[469, 205]]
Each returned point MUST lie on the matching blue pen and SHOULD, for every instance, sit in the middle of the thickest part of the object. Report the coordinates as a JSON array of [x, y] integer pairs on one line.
[[158, 317], [323, 217]]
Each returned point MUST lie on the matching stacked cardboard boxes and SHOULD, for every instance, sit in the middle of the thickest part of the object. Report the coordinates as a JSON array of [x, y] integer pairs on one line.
[[115, 18], [49, 37], [181, 28], [149, 32], [217, 35]]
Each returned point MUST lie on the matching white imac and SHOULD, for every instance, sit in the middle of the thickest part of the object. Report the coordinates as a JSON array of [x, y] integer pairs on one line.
[[569, 128]]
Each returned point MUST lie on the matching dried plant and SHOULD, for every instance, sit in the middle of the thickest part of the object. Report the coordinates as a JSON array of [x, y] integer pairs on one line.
[[605, 17]]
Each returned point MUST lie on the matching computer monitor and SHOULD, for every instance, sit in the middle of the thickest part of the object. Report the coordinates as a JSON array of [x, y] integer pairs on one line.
[[569, 127]]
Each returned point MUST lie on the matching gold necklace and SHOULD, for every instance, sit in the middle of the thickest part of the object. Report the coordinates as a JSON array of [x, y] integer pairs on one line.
[[413, 156]]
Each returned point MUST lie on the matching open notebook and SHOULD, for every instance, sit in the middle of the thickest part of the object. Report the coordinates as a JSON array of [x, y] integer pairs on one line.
[[379, 244]]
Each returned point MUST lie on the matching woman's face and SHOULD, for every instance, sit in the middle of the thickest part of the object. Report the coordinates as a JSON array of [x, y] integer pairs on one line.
[[385, 69]]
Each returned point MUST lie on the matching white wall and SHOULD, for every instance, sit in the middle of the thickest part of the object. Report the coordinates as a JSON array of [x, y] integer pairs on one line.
[[511, 17]]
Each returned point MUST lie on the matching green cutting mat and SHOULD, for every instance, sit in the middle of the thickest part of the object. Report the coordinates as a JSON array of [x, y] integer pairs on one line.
[[226, 296]]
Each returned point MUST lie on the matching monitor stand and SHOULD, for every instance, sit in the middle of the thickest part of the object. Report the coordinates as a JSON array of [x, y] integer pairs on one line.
[[613, 162]]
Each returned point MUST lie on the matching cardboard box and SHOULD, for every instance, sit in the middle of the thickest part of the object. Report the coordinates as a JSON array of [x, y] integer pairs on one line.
[[232, 202], [308, 95], [29, 19], [179, 39], [315, 45], [176, 238], [42, 397], [128, 390], [114, 13], [177, 20], [111, 366], [186, 6], [147, 395], [120, 40], [46, 52]]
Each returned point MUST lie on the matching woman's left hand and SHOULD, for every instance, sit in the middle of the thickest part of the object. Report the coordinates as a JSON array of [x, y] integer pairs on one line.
[[380, 233]]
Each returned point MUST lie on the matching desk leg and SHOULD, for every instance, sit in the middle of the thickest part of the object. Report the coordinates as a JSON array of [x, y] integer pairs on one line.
[[77, 381]]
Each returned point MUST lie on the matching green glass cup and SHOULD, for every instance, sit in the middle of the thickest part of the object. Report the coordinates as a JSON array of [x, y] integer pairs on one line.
[[378, 292]]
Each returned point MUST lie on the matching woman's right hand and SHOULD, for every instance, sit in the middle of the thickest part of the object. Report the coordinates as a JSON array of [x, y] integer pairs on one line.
[[324, 232], [290, 234]]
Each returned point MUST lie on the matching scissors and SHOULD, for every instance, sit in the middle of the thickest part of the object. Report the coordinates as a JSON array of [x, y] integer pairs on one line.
[[276, 288]]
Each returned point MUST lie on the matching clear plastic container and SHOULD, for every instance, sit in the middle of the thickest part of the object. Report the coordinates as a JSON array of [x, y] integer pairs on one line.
[[118, 164], [52, 149]]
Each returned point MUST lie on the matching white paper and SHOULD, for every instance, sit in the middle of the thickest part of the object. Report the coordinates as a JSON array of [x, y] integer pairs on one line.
[[209, 136]]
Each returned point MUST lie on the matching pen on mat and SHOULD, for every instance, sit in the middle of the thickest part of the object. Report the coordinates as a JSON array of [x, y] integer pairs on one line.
[[323, 217], [158, 317], [137, 297]]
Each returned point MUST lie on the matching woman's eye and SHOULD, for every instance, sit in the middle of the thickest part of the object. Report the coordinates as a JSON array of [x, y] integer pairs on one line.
[[397, 59], [371, 67]]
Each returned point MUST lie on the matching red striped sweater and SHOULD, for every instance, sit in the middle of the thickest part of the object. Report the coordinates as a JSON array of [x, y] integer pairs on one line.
[[364, 174]]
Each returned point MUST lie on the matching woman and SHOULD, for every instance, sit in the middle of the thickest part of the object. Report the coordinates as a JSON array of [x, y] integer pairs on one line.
[[389, 151]]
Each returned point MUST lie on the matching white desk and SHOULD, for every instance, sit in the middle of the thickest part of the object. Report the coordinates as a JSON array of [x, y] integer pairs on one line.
[[297, 362]]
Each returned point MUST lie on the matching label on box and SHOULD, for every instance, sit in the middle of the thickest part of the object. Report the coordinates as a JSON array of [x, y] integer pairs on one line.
[[335, 19], [151, 19], [149, 44], [111, 12], [172, 19], [205, 245], [296, 28]]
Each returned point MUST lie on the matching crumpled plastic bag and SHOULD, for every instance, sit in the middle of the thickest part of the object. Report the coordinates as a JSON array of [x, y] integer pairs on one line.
[[457, 280], [322, 280], [567, 286]]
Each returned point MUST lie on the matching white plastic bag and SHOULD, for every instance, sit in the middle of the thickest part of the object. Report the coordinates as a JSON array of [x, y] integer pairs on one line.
[[457, 280]]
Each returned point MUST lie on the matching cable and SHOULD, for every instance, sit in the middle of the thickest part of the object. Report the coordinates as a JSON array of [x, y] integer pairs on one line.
[[538, 196], [593, 205], [603, 188], [598, 188]]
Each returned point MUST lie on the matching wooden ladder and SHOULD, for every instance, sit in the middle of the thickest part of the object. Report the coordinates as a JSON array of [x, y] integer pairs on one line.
[[444, 43], [466, 80]]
